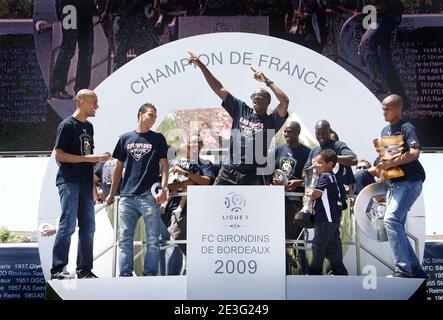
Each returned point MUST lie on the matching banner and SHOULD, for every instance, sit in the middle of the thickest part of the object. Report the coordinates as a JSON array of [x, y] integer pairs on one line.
[[235, 243]]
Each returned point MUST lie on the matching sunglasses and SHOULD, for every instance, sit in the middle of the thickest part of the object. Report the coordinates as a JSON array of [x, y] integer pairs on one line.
[[257, 95]]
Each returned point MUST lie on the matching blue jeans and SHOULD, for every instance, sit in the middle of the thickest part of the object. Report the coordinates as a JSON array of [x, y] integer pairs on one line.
[[77, 203], [327, 244], [399, 200], [164, 236], [171, 259], [130, 210]]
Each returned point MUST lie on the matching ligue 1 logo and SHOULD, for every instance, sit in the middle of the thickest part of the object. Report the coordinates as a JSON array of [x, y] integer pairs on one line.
[[235, 202]]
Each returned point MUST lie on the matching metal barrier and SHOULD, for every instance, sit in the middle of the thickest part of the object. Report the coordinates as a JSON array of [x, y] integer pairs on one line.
[[171, 243]]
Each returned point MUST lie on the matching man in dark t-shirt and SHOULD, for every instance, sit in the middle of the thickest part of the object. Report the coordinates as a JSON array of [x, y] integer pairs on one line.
[[345, 156], [291, 158], [141, 152], [73, 151], [363, 176], [402, 191], [251, 128], [198, 172]]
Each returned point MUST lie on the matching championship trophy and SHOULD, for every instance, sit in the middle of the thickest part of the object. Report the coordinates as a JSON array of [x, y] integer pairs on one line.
[[305, 217], [279, 177], [389, 148]]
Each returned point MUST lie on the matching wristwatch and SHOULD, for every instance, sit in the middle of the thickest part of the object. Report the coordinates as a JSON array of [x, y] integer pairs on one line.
[[269, 82]]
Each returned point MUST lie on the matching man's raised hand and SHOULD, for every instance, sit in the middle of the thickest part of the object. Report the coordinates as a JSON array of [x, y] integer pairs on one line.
[[259, 76], [193, 59]]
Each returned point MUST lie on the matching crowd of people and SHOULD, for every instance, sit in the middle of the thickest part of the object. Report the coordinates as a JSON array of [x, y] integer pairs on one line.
[[133, 27], [143, 156]]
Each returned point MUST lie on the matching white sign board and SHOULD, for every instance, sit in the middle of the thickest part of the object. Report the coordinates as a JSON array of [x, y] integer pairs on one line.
[[236, 242]]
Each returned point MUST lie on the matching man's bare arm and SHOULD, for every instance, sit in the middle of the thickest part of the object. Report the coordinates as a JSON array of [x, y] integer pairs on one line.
[[65, 157], [283, 99], [215, 85]]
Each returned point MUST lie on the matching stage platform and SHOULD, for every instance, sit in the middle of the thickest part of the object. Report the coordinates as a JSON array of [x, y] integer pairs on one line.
[[297, 288]]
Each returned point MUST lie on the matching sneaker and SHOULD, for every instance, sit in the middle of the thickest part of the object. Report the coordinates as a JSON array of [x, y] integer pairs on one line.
[[60, 276], [86, 275]]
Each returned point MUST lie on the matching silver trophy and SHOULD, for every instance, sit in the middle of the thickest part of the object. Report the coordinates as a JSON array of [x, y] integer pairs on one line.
[[305, 217], [279, 177]]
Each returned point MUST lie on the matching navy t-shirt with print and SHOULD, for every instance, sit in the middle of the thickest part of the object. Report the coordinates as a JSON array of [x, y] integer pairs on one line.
[[203, 168], [249, 134], [413, 170], [362, 179], [75, 137], [140, 153], [344, 174], [291, 160], [328, 207]]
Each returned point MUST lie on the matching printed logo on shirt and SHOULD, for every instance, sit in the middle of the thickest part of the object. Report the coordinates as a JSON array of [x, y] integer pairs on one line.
[[138, 150], [85, 144], [108, 169], [287, 165], [187, 164], [249, 127]]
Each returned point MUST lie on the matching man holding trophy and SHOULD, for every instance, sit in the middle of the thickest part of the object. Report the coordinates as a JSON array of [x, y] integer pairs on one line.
[[404, 178], [290, 159], [345, 159]]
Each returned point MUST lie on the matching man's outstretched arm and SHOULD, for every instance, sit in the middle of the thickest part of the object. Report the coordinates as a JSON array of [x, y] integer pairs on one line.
[[283, 99], [215, 85]]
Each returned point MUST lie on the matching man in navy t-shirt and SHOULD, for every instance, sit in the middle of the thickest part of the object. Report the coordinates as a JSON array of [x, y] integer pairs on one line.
[[403, 191], [251, 128], [327, 215], [363, 176], [291, 158], [345, 156], [141, 152], [198, 172], [74, 145]]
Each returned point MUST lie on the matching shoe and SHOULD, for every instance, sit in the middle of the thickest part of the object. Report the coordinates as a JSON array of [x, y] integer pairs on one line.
[[64, 95], [398, 274], [60, 276], [86, 275]]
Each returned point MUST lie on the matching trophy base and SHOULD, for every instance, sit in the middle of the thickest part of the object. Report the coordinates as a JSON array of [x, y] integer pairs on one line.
[[392, 173], [304, 219]]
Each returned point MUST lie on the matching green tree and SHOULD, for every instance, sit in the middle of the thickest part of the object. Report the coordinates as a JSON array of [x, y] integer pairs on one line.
[[4, 235]]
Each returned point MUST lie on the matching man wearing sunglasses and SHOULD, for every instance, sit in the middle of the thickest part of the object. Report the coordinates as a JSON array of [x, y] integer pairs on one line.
[[251, 128], [364, 175]]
